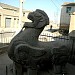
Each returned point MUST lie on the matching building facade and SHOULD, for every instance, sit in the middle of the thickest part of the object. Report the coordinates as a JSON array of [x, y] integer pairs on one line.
[[9, 17], [66, 11], [9, 22], [72, 24]]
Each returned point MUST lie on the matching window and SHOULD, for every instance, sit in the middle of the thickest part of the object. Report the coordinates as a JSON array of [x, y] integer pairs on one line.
[[14, 21], [68, 9], [7, 22], [23, 14], [17, 21]]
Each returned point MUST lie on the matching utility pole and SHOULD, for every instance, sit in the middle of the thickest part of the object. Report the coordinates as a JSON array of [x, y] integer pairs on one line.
[[20, 13]]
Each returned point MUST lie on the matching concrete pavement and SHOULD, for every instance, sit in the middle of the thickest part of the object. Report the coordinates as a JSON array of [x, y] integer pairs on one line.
[[5, 65]]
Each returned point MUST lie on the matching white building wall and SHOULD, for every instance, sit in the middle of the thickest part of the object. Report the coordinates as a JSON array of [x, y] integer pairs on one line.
[[72, 24], [65, 17]]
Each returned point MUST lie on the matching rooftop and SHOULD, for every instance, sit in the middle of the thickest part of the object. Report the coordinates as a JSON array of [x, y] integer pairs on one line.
[[69, 4], [9, 7]]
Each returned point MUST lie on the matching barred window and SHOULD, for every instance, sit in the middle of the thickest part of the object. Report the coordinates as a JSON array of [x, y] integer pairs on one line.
[[68, 9], [7, 22]]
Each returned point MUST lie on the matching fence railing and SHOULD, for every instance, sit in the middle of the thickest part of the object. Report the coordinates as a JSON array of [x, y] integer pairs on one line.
[[47, 37], [5, 38]]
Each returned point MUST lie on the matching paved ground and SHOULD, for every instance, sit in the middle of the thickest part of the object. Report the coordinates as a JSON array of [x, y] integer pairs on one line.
[[5, 65], [5, 61]]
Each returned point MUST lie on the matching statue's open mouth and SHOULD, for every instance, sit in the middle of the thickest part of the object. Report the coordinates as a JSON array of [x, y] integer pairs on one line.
[[30, 16]]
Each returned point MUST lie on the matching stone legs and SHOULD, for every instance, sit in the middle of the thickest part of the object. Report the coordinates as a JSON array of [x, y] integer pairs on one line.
[[31, 71], [60, 70], [17, 69]]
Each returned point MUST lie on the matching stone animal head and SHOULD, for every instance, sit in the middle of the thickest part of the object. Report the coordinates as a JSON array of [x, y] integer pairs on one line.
[[39, 19]]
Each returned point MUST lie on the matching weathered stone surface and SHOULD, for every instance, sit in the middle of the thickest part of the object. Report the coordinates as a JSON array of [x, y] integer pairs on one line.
[[34, 55]]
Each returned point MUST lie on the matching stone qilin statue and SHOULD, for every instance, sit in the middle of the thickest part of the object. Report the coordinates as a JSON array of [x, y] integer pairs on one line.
[[35, 57]]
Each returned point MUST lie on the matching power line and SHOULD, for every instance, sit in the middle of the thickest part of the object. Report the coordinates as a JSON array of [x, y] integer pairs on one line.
[[55, 14], [63, 0], [55, 4], [58, 2]]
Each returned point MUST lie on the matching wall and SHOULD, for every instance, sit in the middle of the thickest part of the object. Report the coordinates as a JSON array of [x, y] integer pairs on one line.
[[65, 17], [72, 24], [14, 15]]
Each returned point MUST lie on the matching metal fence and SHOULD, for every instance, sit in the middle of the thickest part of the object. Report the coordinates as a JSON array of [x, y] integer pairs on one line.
[[5, 38], [48, 37]]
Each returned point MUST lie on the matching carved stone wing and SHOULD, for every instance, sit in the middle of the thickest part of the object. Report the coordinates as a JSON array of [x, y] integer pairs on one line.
[[25, 53]]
